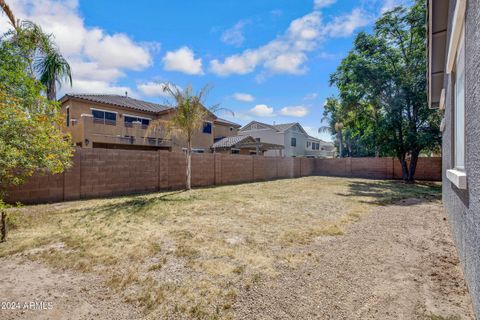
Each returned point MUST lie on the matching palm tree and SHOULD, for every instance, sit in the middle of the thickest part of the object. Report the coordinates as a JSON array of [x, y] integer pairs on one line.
[[6, 9], [188, 118], [53, 69], [333, 115], [49, 64]]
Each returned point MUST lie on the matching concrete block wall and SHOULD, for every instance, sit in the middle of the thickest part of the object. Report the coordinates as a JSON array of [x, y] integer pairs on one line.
[[378, 168], [110, 172]]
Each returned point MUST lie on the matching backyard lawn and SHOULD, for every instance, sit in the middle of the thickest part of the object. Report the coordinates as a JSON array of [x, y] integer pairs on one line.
[[235, 251]]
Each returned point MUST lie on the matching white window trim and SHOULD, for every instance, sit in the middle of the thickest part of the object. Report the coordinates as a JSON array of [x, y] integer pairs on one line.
[[441, 105], [131, 115], [457, 25], [458, 178], [103, 110]]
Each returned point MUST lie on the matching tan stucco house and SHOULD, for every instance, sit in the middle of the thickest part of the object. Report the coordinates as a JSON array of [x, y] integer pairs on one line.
[[121, 122]]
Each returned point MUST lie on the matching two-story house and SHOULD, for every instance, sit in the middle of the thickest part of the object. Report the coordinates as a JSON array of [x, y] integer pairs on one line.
[[454, 88], [292, 136], [121, 122]]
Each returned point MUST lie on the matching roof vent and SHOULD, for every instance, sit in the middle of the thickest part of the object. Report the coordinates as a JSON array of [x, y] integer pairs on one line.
[[126, 94]]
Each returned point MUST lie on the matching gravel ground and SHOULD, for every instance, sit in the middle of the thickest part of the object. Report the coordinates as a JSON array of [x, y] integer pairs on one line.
[[398, 262]]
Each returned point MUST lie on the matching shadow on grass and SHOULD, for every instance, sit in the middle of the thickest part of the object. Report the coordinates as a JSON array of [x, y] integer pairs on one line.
[[390, 192], [134, 204]]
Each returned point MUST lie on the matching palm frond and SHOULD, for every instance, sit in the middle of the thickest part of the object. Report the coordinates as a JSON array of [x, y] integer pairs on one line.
[[6, 9]]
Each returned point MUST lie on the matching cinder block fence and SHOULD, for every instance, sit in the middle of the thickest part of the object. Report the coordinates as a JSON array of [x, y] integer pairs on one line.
[[105, 172]]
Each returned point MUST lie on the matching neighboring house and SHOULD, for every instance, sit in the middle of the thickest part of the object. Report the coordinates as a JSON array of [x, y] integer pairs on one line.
[[454, 88], [121, 122], [243, 145], [296, 142], [225, 128]]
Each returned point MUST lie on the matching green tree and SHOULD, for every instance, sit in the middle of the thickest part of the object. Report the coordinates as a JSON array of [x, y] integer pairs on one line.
[[39, 48], [189, 116], [31, 139], [333, 116], [382, 84]]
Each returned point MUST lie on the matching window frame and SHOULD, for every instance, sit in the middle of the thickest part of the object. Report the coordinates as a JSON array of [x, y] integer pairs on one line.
[[67, 111], [138, 118], [210, 124], [458, 158], [104, 120], [293, 142]]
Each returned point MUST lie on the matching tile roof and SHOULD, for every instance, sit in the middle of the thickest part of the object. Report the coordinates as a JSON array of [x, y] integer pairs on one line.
[[227, 122], [229, 142], [120, 101]]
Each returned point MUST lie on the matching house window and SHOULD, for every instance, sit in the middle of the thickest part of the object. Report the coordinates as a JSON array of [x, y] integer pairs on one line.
[[293, 142], [105, 117], [459, 104], [309, 144], [231, 128], [207, 127], [129, 120], [68, 116], [235, 151], [257, 139], [253, 152]]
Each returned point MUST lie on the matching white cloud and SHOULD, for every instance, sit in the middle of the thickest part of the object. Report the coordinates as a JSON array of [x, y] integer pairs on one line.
[[234, 35], [288, 53], [291, 63], [311, 96], [318, 4], [244, 97], [295, 111], [262, 110], [98, 59], [390, 4], [154, 89], [93, 71], [183, 60], [116, 51], [344, 26], [95, 86]]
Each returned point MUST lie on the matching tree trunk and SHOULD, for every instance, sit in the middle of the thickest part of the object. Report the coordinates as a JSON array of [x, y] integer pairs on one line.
[[3, 226], [403, 162], [340, 143], [52, 91], [413, 166], [189, 163]]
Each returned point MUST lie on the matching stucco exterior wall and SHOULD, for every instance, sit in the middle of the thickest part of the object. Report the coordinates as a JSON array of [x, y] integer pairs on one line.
[[223, 130], [463, 206], [300, 148], [102, 134]]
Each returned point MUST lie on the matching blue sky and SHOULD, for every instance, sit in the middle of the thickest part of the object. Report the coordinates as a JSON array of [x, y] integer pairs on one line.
[[267, 60]]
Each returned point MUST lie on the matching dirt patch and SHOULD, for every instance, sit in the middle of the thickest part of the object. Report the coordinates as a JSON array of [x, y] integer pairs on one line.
[[59, 294], [398, 262]]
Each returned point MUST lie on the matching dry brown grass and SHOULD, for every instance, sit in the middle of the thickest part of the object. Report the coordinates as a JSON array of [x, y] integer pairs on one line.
[[186, 254]]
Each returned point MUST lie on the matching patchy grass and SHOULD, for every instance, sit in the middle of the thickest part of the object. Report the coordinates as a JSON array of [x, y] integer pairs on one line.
[[185, 254]]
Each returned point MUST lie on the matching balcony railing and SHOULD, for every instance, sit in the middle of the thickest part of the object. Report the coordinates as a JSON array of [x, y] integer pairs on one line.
[[108, 131]]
